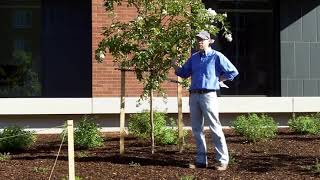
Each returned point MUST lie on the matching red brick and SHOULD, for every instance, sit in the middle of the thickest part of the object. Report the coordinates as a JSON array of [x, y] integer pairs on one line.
[[105, 79]]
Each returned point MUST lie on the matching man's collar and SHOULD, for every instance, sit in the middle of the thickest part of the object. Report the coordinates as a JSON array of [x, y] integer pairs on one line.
[[208, 52]]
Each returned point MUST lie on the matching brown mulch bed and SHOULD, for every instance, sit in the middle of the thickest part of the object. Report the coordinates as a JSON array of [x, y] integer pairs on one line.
[[289, 156]]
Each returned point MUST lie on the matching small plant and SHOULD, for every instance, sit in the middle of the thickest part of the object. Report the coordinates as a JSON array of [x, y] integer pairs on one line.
[[76, 178], [316, 167], [86, 134], [40, 170], [187, 177], [81, 154], [134, 164], [232, 159], [313, 168], [15, 138], [255, 128], [4, 156], [305, 124], [169, 135], [139, 126]]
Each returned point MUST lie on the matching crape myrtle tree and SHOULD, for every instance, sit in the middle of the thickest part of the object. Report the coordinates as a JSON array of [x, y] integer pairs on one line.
[[163, 30]]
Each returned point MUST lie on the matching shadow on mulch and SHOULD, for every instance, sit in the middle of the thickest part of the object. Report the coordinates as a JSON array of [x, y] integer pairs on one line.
[[104, 155], [141, 161], [35, 157], [301, 137], [270, 162]]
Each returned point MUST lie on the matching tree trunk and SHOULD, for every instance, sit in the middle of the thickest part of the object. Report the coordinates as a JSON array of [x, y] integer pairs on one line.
[[151, 121], [122, 112], [180, 116]]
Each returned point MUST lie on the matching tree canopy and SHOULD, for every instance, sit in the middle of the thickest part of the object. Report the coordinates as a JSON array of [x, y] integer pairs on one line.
[[163, 30]]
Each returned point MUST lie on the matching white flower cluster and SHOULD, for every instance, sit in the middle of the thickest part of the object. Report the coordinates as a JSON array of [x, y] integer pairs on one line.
[[228, 37], [212, 12], [139, 18], [101, 55], [209, 26], [164, 12]]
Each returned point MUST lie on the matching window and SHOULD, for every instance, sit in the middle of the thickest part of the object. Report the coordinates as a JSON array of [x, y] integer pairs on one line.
[[45, 48], [22, 18], [20, 49], [255, 46]]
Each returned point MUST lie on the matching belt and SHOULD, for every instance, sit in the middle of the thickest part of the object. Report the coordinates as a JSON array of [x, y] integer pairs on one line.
[[202, 91]]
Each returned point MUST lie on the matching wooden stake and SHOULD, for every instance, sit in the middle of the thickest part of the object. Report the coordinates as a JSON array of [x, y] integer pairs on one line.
[[122, 112], [180, 115], [71, 150], [151, 122]]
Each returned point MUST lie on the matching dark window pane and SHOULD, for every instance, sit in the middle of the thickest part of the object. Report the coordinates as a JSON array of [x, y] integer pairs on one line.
[[66, 48], [20, 64], [254, 47]]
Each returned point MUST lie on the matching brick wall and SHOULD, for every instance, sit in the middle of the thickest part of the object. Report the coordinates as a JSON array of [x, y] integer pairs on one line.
[[106, 80]]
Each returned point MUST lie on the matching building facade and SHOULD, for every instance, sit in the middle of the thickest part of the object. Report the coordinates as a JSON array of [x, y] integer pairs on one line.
[[47, 51]]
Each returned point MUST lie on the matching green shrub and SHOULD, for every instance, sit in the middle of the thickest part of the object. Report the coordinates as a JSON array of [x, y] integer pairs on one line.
[[305, 124], [315, 168], [86, 133], [4, 156], [40, 169], [255, 128], [187, 177], [169, 135], [139, 126], [14, 138]]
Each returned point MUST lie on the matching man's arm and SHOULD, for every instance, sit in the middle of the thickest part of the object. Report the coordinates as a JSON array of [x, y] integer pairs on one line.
[[175, 65], [229, 71], [222, 78], [183, 71]]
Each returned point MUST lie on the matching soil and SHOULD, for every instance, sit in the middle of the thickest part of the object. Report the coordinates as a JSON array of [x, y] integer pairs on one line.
[[288, 156]]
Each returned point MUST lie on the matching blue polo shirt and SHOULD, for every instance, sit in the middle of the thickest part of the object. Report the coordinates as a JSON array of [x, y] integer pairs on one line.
[[206, 68]]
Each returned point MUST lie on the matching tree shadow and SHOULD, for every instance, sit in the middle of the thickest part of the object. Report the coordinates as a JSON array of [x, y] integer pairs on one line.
[[135, 161], [301, 137], [271, 162], [35, 157], [164, 156]]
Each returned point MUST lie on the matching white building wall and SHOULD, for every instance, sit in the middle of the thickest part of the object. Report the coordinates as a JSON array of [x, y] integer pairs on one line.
[[47, 115]]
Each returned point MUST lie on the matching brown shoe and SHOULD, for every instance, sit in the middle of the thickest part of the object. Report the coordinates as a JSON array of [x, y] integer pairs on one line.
[[221, 167], [197, 165]]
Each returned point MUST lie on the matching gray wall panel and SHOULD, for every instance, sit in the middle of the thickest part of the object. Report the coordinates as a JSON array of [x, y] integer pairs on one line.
[[310, 88], [287, 60], [318, 24], [295, 88], [315, 61], [309, 26], [300, 47], [284, 35], [284, 87], [302, 60], [295, 31], [319, 88]]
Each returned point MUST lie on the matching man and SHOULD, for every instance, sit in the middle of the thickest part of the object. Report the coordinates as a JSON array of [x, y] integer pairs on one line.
[[207, 68]]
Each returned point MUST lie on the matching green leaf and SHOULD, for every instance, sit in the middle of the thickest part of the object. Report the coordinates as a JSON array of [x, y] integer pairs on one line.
[[161, 31]]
